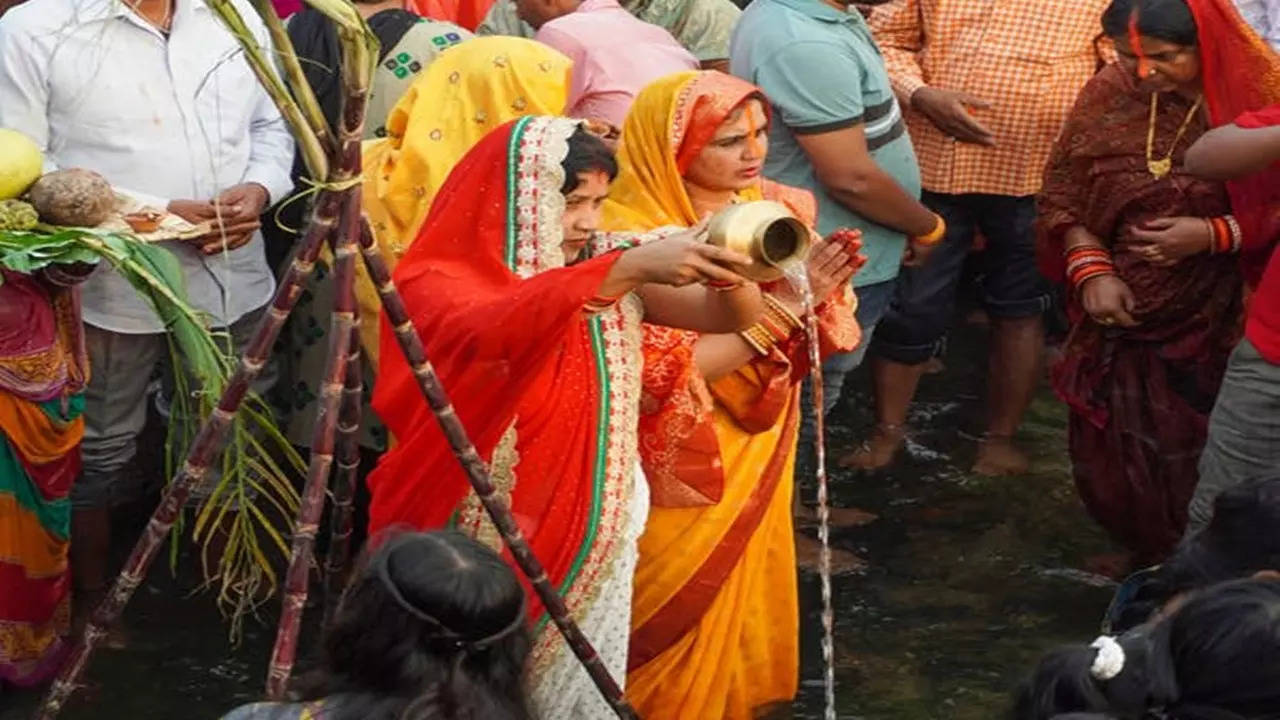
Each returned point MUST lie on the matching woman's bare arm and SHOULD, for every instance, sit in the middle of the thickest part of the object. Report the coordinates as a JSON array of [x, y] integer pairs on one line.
[[700, 308], [1231, 152]]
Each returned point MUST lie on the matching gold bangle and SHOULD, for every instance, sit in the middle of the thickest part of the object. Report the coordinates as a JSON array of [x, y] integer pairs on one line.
[[759, 339], [934, 236], [781, 313]]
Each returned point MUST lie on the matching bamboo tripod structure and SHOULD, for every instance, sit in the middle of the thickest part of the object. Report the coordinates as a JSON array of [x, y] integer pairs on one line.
[[336, 220]]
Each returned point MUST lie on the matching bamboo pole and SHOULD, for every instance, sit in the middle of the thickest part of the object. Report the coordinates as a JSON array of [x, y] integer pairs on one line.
[[202, 452], [344, 485], [478, 475], [297, 578]]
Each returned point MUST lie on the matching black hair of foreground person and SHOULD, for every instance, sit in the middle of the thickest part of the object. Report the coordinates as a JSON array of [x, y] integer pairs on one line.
[[587, 153], [1167, 20], [1215, 658], [431, 627], [1242, 538]]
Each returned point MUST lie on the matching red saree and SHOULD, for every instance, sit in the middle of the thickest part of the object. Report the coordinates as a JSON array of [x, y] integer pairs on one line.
[[546, 392], [1139, 397], [1241, 74]]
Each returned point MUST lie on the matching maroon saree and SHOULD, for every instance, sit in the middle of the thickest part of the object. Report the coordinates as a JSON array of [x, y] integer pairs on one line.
[[1139, 397]]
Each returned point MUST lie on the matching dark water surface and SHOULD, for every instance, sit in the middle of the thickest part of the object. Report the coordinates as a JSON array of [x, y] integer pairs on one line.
[[969, 580]]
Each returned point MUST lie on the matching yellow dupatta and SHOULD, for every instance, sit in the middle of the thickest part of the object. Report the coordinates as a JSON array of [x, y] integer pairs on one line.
[[468, 91], [649, 192], [715, 610]]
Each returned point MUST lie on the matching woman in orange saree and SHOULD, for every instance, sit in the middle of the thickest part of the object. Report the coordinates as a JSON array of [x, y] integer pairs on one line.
[[542, 365], [715, 624]]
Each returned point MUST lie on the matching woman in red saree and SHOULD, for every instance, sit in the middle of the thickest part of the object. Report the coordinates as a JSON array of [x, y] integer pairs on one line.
[[1151, 256], [542, 364], [715, 619]]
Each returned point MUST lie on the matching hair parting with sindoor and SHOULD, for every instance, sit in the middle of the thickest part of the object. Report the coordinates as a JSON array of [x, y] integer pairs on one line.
[[1167, 20], [432, 627]]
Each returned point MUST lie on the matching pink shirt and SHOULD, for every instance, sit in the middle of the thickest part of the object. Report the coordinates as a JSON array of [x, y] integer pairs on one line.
[[614, 56]]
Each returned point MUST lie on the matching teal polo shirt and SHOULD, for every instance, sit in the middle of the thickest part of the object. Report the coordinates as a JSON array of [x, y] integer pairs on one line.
[[822, 71]]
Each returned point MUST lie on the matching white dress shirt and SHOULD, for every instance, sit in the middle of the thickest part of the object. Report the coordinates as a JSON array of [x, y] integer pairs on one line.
[[98, 87], [1264, 17]]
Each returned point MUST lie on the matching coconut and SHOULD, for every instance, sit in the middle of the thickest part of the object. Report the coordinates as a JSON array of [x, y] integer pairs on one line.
[[20, 163], [75, 197]]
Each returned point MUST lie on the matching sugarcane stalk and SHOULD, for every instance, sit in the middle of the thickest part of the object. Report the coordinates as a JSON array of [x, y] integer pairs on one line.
[[302, 92], [356, 75], [297, 578], [203, 451], [478, 475], [309, 145], [344, 483]]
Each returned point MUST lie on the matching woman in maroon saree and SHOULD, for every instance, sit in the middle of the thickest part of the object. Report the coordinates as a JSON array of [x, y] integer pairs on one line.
[[1155, 303]]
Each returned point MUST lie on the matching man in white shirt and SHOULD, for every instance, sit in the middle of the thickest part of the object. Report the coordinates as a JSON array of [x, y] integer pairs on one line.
[[1264, 17], [157, 97]]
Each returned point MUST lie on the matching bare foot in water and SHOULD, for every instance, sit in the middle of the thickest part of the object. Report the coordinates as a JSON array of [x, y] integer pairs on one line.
[[878, 451], [934, 366], [998, 457], [1114, 565], [841, 518], [808, 552]]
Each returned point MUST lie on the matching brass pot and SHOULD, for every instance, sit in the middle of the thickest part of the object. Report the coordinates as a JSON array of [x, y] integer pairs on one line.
[[766, 232]]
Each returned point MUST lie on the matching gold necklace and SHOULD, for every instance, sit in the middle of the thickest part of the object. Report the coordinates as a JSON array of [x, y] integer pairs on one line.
[[1160, 168]]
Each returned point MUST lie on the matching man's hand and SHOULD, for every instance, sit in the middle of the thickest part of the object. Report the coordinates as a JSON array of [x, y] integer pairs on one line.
[[949, 111], [234, 215], [241, 203]]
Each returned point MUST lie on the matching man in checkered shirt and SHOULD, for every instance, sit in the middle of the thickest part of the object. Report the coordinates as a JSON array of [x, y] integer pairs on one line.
[[987, 84]]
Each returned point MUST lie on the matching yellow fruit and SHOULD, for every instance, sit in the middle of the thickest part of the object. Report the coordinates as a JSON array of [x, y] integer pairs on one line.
[[20, 163]]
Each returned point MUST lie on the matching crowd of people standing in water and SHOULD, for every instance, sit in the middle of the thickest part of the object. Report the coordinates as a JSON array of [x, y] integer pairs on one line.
[[1103, 172]]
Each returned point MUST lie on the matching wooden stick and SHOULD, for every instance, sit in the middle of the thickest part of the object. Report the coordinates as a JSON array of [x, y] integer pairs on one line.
[[478, 474], [203, 450], [344, 484], [297, 579]]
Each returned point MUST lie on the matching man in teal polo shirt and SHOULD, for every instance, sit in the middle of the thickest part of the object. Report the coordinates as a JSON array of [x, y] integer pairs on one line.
[[837, 130]]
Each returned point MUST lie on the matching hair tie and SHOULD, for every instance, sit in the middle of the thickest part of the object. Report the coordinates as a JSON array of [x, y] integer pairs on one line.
[[460, 641], [1109, 662]]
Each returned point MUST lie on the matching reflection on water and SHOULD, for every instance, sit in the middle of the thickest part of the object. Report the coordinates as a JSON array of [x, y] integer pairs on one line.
[[970, 580]]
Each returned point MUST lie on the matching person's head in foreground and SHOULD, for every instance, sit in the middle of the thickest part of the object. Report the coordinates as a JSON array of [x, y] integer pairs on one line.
[[1217, 657], [1242, 539], [431, 626], [589, 168], [1157, 40]]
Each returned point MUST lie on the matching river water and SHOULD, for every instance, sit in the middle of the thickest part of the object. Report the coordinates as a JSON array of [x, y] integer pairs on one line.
[[968, 581]]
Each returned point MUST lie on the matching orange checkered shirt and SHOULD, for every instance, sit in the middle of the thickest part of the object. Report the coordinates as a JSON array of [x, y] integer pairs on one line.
[[1028, 58]]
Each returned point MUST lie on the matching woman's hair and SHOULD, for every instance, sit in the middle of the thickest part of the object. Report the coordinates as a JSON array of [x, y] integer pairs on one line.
[[1240, 540], [587, 153], [432, 627], [1168, 20], [1216, 658]]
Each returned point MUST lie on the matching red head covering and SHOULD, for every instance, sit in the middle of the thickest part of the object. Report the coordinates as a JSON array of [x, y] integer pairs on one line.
[[503, 324], [1241, 73], [467, 13]]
